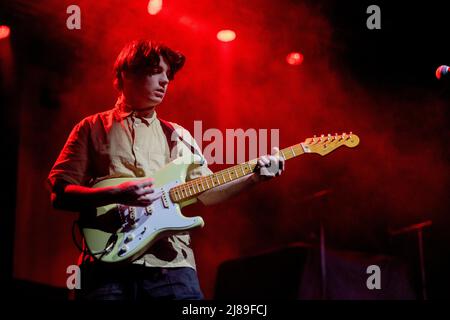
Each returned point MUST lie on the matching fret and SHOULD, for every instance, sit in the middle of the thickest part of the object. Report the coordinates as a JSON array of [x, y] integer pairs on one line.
[[192, 188], [202, 184], [189, 190]]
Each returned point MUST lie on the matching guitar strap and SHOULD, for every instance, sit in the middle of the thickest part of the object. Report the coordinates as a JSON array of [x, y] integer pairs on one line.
[[170, 133], [172, 136]]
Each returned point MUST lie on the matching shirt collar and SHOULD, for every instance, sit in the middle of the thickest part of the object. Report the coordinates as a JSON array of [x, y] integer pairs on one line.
[[122, 111]]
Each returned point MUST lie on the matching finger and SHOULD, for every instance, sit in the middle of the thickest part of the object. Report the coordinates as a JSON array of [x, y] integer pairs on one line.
[[273, 159], [282, 164], [280, 168], [146, 182], [148, 199], [146, 190], [142, 190], [274, 162], [265, 160], [275, 151], [261, 163], [154, 196], [151, 195]]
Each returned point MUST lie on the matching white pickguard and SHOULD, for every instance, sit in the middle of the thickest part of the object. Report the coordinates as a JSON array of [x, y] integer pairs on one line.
[[162, 215]]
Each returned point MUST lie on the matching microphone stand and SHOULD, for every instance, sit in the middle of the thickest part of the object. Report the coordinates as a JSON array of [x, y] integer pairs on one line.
[[322, 242]]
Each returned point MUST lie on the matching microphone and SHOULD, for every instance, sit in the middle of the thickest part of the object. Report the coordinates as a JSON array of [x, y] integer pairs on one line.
[[442, 71]]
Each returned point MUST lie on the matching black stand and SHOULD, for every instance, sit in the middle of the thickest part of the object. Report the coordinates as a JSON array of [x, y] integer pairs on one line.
[[321, 195], [417, 227]]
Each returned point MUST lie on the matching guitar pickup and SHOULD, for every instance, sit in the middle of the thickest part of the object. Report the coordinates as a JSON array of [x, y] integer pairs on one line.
[[165, 200], [148, 210]]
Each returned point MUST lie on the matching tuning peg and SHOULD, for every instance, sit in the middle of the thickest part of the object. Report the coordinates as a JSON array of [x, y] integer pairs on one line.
[[329, 137], [322, 136], [343, 135], [336, 136], [350, 135]]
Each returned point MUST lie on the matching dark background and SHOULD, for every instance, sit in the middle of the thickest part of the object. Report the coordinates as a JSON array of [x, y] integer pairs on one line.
[[380, 84]]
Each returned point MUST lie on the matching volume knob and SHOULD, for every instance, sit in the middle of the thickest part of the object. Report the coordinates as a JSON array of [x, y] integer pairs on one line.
[[123, 250], [129, 237]]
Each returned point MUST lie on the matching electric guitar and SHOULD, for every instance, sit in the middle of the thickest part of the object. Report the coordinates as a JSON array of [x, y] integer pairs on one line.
[[118, 233]]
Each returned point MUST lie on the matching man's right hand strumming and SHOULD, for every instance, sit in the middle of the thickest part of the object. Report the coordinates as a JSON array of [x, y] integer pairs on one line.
[[138, 193]]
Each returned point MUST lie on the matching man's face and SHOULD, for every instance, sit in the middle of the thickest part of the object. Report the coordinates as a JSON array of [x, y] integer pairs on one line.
[[147, 87]]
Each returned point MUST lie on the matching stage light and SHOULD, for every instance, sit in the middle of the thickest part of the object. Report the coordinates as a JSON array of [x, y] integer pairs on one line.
[[294, 58], [226, 35], [154, 6], [4, 32]]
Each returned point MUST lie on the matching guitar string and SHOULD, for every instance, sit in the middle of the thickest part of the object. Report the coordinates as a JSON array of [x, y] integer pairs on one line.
[[232, 170]]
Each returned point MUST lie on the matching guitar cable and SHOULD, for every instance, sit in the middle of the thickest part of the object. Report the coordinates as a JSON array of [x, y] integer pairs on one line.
[[82, 248], [74, 239]]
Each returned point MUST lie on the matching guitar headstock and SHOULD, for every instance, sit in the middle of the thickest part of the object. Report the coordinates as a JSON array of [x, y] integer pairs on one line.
[[325, 144]]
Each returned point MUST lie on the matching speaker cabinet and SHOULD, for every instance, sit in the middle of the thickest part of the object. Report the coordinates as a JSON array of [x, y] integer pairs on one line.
[[295, 272]]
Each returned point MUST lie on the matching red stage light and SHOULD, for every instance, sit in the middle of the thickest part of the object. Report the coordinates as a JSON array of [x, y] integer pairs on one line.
[[294, 58], [226, 35], [154, 6], [4, 32]]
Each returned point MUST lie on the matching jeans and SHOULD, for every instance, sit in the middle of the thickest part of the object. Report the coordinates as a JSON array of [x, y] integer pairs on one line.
[[136, 282]]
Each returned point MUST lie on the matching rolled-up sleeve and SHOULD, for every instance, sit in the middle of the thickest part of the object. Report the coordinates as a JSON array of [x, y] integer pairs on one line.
[[71, 166]]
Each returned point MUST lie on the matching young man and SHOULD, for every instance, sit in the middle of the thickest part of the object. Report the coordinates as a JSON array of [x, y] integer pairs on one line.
[[130, 141]]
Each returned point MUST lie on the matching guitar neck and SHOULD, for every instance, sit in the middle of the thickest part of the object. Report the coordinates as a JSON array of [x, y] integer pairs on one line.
[[194, 188]]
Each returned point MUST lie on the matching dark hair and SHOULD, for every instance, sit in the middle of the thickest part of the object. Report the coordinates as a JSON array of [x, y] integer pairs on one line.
[[141, 54]]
